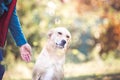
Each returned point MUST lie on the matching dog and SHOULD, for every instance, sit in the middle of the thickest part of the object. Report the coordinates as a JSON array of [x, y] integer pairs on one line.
[[49, 65]]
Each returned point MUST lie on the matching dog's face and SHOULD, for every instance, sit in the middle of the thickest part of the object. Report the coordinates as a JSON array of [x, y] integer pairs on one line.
[[59, 37]]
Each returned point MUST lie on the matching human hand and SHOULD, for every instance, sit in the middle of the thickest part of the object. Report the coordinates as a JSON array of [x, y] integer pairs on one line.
[[25, 51]]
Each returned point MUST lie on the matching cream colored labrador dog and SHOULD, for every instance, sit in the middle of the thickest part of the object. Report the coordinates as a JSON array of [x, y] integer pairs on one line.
[[49, 65]]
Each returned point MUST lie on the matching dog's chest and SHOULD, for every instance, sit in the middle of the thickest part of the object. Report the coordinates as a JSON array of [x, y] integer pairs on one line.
[[57, 62]]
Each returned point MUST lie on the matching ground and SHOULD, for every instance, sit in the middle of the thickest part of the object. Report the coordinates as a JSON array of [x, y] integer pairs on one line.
[[91, 70]]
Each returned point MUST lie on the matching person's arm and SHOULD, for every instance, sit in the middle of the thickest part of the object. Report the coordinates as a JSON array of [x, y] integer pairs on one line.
[[18, 36], [15, 29]]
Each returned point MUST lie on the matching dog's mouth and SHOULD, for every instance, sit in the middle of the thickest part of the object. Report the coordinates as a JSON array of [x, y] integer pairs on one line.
[[61, 44]]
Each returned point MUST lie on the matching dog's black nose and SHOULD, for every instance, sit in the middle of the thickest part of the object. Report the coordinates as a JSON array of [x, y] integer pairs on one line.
[[63, 42]]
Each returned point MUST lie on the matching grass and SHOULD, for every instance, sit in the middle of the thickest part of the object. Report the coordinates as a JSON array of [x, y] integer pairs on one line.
[[96, 77], [91, 70]]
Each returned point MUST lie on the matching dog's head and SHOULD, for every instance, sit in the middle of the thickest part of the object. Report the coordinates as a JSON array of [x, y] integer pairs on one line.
[[59, 37]]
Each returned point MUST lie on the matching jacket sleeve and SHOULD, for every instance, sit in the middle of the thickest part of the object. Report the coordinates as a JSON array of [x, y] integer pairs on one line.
[[15, 29]]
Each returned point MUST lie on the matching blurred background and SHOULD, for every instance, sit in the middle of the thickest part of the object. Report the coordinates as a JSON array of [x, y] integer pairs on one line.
[[94, 53]]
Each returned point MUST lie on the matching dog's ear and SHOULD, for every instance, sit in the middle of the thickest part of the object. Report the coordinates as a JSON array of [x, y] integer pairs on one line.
[[50, 32], [68, 45]]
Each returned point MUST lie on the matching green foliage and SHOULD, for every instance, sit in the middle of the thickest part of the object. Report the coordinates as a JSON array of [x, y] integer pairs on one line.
[[37, 17]]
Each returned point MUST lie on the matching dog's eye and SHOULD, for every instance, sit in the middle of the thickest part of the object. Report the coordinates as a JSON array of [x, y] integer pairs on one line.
[[68, 36], [59, 33]]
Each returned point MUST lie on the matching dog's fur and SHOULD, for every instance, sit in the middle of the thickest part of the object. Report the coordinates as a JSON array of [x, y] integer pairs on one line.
[[49, 65]]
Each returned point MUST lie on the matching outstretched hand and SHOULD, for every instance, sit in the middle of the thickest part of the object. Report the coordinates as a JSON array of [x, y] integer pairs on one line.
[[25, 51]]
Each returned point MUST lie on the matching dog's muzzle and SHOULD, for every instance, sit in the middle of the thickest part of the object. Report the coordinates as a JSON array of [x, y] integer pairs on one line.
[[61, 44]]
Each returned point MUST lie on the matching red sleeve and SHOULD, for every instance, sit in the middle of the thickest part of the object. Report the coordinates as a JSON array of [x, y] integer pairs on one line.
[[4, 22]]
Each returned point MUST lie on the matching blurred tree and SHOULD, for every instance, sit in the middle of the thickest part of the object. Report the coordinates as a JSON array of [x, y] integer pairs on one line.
[[108, 12], [111, 38], [84, 20]]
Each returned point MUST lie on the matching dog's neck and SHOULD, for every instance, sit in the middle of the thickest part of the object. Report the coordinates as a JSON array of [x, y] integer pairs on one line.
[[56, 57], [53, 51]]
